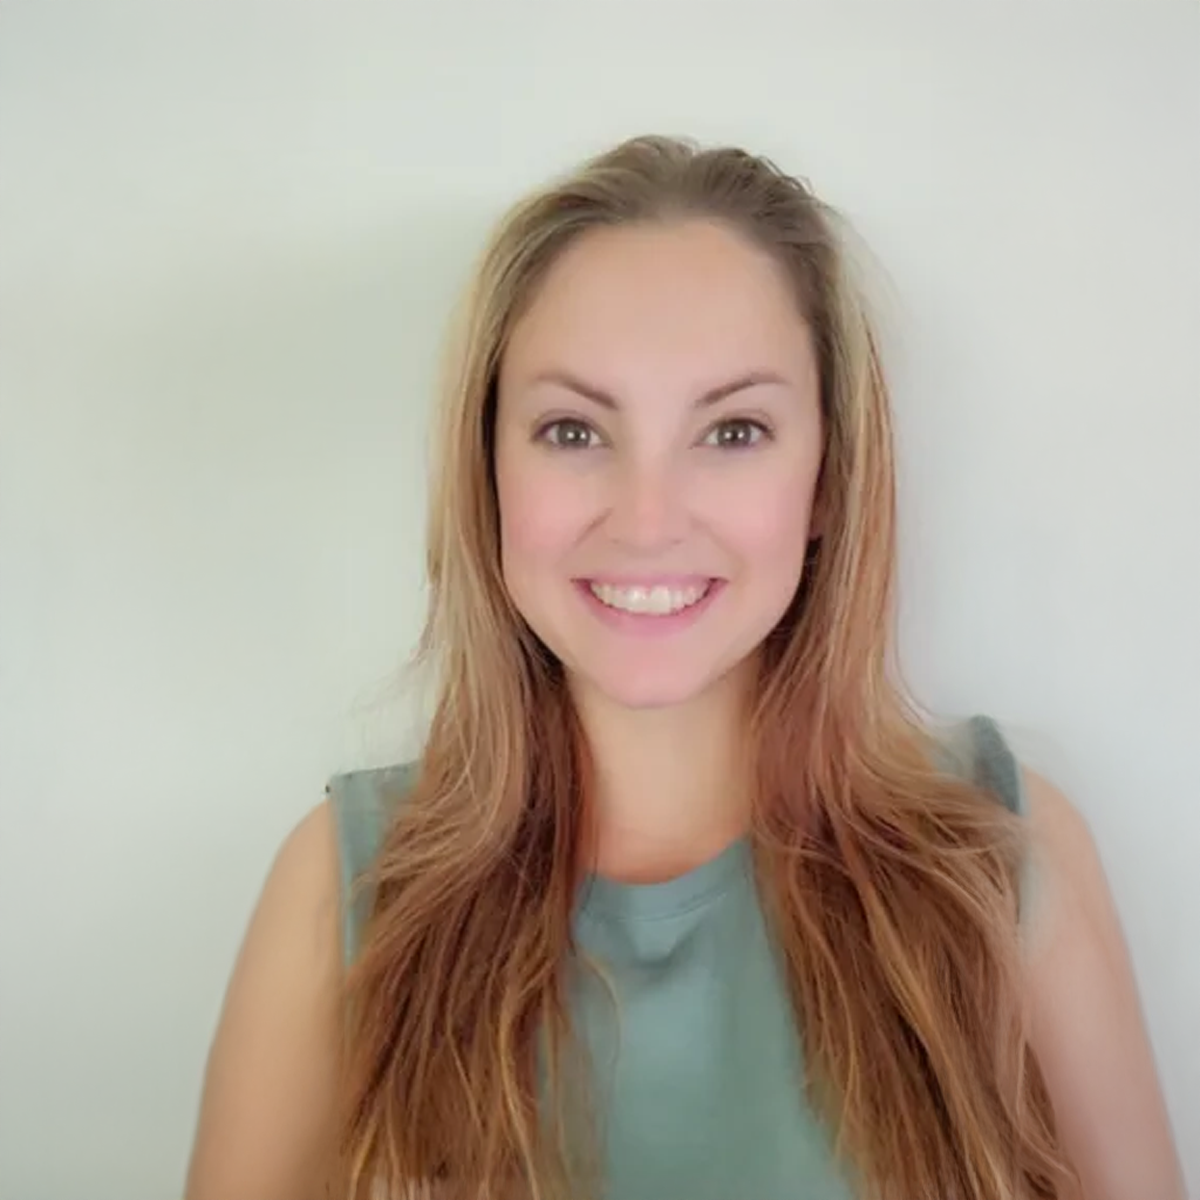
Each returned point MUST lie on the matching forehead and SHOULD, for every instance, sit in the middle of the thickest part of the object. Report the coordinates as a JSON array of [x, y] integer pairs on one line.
[[689, 296]]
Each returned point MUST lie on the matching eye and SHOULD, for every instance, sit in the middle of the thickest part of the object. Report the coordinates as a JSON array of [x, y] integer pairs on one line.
[[736, 434], [569, 433]]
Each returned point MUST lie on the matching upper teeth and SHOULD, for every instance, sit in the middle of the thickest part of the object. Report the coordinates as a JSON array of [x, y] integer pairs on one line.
[[659, 600]]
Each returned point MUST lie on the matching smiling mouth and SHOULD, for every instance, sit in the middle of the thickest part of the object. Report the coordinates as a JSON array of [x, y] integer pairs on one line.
[[653, 600]]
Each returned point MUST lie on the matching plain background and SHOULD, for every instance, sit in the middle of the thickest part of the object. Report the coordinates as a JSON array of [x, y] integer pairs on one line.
[[231, 234]]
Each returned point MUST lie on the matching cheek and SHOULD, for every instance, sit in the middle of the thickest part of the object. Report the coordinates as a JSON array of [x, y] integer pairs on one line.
[[767, 521], [540, 519]]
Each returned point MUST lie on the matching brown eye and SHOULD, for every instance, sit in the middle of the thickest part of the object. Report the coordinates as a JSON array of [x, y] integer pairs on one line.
[[737, 434], [569, 434]]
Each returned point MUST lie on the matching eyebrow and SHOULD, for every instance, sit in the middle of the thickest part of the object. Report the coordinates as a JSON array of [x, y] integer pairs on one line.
[[712, 396]]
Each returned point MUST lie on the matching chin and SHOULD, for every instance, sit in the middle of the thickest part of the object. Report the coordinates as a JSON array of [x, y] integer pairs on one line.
[[649, 692]]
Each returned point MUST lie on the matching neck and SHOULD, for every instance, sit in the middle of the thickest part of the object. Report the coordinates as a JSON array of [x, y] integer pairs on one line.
[[669, 784]]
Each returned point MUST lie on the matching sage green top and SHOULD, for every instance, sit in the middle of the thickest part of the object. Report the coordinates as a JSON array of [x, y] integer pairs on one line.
[[698, 1088]]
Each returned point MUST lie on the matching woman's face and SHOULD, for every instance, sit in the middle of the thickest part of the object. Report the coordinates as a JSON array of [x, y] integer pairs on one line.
[[658, 443]]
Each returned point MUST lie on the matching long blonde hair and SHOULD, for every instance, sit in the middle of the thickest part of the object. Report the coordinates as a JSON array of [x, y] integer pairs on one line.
[[889, 884]]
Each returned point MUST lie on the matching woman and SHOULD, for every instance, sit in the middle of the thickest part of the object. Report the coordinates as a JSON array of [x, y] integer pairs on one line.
[[682, 899]]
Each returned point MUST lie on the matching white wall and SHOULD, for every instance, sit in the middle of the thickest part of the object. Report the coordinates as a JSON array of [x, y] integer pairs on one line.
[[229, 238]]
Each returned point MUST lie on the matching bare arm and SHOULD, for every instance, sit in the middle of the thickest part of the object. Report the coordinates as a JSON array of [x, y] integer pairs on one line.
[[1088, 1030], [266, 1119]]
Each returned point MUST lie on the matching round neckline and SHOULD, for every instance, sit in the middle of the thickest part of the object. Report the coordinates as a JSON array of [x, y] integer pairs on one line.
[[670, 897]]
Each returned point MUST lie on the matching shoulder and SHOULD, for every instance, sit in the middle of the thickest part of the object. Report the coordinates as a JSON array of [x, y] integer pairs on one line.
[[1071, 883], [302, 889], [265, 1115], [1054, 818], [1086, 1023], [1073, 925], [307, 860], [306, 868]]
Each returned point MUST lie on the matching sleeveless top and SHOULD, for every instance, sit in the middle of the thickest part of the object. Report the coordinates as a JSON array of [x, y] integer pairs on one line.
[[696, 1070]]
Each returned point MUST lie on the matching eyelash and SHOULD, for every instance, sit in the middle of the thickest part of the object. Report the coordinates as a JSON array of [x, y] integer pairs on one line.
[[761, 432]]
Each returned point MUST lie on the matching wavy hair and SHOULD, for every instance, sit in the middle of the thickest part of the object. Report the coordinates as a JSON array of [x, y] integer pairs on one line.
[[890, 883]]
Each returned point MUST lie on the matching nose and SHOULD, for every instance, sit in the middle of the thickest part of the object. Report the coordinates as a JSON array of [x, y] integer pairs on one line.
[[648, 510]]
